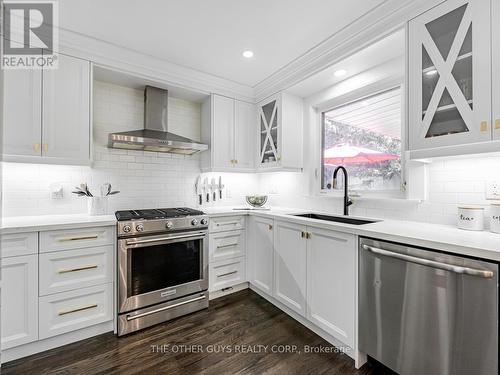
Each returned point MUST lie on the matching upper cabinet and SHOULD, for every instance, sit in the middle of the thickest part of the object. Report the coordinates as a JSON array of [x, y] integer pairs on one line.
[[47, 113], [228, 129], [496, 69], [280, 132], [450, 77]]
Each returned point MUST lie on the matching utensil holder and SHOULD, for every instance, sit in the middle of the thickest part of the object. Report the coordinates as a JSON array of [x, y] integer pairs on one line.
[[97, 205]]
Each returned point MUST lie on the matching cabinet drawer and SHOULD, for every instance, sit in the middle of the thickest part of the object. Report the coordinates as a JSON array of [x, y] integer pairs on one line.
[[68, 239], [227, 245], [67, 270], [227, 273], [69, 311], [19, 244], [221, 224]]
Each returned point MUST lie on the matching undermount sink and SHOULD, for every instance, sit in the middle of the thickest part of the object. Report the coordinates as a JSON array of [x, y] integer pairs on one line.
[[338, 219]]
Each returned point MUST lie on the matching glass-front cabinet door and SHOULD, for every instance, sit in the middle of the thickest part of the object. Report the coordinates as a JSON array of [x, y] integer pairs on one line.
[[269, 143], [449, 75]]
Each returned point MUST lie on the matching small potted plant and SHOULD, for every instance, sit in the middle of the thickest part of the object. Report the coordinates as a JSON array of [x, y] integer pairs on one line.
[[97, 205]]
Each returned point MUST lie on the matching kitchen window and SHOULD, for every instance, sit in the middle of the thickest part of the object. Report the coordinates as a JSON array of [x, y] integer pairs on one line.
[[364, 136]]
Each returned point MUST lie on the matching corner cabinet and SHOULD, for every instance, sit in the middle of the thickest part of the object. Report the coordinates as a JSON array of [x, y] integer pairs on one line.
[[260, 259], [280, 133], [47, 113], [450, 77], [227, 127]]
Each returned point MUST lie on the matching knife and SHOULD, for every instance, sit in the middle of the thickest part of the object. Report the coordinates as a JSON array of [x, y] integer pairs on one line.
[[220, 187], [205, 188], [213, 186], [198, 190]]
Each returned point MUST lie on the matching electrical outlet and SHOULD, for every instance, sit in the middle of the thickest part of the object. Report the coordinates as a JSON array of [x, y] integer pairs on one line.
[[492, 190], [56, 191], [228, 193]]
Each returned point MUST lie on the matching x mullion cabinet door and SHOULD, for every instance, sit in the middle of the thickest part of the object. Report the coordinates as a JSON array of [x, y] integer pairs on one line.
[[450, 75]]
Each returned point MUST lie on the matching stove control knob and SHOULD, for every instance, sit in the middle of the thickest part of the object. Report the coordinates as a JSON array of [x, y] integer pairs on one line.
[[126, 228], [169, 225], [204, 221], [194, 222], [139, 228]]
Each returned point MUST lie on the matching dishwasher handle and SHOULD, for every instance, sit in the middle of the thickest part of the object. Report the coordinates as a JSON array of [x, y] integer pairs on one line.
[[431, 263]]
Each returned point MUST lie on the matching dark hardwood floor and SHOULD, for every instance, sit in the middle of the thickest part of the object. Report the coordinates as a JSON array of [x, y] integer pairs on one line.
[[237, 322]]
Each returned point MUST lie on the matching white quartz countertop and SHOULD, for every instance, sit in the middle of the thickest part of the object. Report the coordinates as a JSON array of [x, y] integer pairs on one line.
[[447, 238], [19, 224]]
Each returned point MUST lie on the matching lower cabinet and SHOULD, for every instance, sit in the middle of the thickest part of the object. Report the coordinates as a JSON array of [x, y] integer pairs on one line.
[[227, 246], [261, 257], [19, 300], [290, 265], [312, 271], [76, 309], [331, 282]]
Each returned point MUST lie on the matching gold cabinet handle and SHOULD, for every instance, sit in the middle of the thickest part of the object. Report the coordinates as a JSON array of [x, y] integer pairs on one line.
[[65, 312], [65, 239], [36, 146], [45, 147], [308, 235], [227, 273], [224, 246], [497, 124], [484, 126], [302, 234], [68, 270], [270, 227]]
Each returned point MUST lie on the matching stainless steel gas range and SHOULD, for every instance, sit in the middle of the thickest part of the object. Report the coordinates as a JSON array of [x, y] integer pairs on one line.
[[162, 265]]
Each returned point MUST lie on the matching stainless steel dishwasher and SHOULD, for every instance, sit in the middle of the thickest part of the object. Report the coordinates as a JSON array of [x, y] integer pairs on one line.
[[425, 312]]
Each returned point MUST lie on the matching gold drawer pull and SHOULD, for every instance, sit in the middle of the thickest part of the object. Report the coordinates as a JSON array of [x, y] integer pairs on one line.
[[36, 146], [484, 126], [228, 223], [224, 246], [227, 274], [78, 238], [77, 269], [65, 312], [270, 227], [497, 124]]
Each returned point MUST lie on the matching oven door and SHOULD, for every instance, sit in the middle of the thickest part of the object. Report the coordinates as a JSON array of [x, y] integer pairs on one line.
[[155, 269]]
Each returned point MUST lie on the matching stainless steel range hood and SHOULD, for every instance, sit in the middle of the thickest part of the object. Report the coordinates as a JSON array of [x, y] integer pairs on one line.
[[155, 136]]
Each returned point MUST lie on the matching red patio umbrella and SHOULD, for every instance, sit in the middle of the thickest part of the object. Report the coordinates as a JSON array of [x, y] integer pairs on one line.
[[346, 154]]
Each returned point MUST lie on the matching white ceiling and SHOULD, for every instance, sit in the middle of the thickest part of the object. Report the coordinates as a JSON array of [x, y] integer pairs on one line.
[[210, 35], [379, 113], [378, 53]]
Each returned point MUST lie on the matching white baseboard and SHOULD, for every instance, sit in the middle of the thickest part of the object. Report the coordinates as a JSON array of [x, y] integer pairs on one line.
[[56, 341]]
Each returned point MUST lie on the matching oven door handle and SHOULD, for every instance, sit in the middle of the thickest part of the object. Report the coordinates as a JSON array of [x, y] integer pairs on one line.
[[165, 239], [137, 316]]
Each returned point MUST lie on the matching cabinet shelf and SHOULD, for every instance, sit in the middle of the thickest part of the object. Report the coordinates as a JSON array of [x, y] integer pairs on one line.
[[461, 57], [447, 107]]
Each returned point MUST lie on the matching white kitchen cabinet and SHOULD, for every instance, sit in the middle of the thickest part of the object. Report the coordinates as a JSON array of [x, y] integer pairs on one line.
[[290, 265], [16, 244], [261, 256], [47, 113], [227, 126], [496, 70], [450, 76], [244, 125], [75, 309], [19, 300], [66, 110], [75, 238], [227, 245], [226, 274], [226, 223], [280, 133], [331, 277], [22, 117]]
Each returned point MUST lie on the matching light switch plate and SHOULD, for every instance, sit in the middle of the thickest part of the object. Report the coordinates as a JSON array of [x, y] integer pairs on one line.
[[492, 190]]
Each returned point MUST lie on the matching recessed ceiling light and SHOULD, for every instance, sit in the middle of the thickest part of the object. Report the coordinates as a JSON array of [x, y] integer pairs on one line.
[[340, 73], [248, 54]]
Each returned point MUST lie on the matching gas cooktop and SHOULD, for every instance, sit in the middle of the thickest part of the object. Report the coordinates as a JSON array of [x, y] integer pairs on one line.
[[156, 213]]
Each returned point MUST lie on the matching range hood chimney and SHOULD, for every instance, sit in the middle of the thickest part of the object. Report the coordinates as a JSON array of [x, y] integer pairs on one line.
[[155, 136]]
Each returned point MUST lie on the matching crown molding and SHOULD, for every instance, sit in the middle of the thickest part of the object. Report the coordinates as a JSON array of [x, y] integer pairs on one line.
[[372, 26], [137, 64]]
